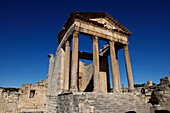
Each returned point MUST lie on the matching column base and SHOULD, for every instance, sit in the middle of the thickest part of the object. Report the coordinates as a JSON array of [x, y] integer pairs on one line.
[[116, 91], [97, 91], [131, 90], [66, 91], [120, 90], [74, 90]]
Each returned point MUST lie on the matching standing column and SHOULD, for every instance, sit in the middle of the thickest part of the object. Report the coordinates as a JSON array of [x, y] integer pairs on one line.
[[128, 68], [74, 62], [118, 69], [96, 64], [66, 66], [114, 66], [118, 73]]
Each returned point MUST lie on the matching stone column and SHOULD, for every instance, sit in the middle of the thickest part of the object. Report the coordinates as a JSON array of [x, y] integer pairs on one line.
[[74, 62], [50, 68], [123, 85], [118, 73], [128, 68], [96, 64], [114, 66], [66, 66], [118, 69]]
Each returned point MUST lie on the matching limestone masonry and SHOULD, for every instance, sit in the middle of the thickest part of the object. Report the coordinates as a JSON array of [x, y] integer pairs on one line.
[[74, 87], [28, 98]]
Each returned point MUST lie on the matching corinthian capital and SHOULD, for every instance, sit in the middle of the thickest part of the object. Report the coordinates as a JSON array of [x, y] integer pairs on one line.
[[94, 38], [111, 42], [75, 33]]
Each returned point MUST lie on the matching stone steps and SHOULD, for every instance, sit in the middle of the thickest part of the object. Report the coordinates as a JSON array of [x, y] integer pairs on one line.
[[112, 103], [102, 103]]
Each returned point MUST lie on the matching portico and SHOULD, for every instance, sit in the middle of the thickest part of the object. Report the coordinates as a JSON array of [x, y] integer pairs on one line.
[[97, 26]]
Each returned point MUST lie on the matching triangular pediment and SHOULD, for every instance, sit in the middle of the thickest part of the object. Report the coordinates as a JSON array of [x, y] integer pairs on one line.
[[105, 23], [100, 19]]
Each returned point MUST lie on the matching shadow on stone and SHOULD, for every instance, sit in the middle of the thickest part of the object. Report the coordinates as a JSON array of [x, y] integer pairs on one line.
[[162, 111]]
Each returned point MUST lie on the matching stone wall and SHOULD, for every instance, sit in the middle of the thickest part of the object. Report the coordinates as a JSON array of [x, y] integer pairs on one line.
[[55, 80], [162, 93], [28, 98], [158, 95], [33, 97], [51, 104], [9, 100], [85, 76]]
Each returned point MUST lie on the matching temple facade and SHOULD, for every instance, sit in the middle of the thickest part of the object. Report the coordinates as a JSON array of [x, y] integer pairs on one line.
[[74, 86], [97, 26]]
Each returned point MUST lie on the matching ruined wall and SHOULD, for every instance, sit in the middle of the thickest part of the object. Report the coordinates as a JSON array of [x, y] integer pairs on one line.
[[89, 72], [2, 100], [158, 95], [85, 75], [162, 93], [28, 98], [9, 100], [33, 97], [55, 81], [82, 71]]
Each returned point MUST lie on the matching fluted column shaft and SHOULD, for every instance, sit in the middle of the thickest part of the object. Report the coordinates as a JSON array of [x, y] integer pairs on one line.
[[128, 68], [66, 65], [96, 63], [74, 62], [114, 66]]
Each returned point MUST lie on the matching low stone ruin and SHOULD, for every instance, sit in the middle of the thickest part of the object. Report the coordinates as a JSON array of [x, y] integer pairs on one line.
[[28, 98], [161, 93]]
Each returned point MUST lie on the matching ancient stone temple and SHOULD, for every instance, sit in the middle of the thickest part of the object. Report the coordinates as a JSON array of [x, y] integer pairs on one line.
[[75, 87]]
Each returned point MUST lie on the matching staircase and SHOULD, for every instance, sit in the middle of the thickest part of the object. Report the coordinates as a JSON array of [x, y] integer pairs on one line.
[[103, 103]]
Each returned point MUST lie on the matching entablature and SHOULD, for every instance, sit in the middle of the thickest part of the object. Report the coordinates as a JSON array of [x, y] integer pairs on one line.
[[98, 24]]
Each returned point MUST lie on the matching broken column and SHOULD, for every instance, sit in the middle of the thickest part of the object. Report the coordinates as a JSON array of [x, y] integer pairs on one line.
[[50, 68]]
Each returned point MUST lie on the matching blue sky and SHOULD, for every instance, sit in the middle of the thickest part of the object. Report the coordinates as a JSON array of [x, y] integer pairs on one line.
[[29, 29]]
